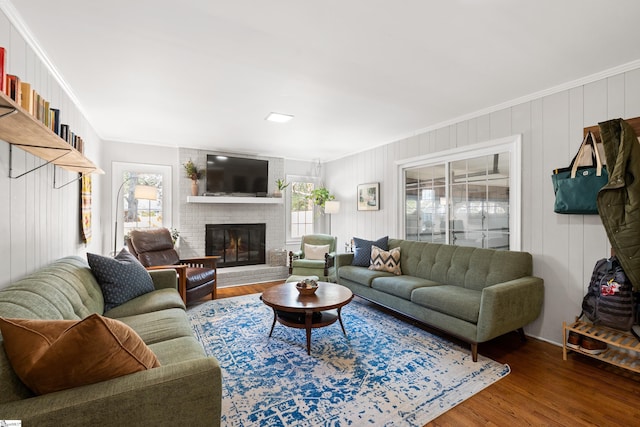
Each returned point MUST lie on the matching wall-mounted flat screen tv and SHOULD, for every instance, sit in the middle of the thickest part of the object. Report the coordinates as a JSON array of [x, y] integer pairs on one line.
[[236, 176]]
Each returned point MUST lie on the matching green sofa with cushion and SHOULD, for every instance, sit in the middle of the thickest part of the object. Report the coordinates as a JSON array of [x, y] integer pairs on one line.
[[471, 293], [186, 389]]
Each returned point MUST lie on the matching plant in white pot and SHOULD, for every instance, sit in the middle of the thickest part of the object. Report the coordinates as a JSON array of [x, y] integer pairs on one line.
[[281, 184]]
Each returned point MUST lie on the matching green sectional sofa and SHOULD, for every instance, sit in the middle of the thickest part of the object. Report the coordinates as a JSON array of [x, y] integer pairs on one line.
[[185, 389], [473, 294]]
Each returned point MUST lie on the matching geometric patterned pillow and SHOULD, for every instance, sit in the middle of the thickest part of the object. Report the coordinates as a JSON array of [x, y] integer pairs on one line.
[[362, 252], [385, 260], [121, 279]]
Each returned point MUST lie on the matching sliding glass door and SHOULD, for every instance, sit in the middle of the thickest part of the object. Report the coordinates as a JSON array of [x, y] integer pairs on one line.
[[426, 206], [480, 202], [465, 197]]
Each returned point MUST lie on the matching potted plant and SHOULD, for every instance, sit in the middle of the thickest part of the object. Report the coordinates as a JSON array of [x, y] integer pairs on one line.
[[280, 186], [175, 235], [194, 174], [320, 196]]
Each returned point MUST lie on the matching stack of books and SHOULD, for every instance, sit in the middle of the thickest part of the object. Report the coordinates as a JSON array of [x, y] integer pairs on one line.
[[34, 104]]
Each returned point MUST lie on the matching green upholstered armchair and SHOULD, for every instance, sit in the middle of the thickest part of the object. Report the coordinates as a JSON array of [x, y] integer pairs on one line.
[[315, 257]]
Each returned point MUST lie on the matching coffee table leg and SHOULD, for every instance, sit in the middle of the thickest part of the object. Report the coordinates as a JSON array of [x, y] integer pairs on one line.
[[307, 324], [340, 319], [275, 317]]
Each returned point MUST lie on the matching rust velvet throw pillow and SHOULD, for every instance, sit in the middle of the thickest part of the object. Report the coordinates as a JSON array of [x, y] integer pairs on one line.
[[52, 355]]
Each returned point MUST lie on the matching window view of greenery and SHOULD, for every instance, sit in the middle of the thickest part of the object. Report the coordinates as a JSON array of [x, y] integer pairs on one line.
[[141, 213], [464, 202], [301, 209]]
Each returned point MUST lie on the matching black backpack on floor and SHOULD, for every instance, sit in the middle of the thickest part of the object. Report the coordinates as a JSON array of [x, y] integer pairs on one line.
[[609, 298]]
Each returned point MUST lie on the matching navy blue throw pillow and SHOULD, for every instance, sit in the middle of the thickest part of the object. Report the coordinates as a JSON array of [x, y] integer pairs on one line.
[[121, 278], [362, 253]]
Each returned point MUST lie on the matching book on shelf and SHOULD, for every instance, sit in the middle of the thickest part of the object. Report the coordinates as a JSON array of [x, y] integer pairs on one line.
[[12, 88], [26, 97], [36, 105], [64, 132], [45, 114], [3, 69], [40, 108], [55, 120]]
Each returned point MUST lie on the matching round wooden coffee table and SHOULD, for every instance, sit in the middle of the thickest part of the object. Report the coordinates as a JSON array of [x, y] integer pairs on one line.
[[307, 311]]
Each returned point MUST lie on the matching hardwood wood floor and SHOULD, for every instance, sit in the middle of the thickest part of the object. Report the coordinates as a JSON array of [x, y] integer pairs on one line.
[[541, 390]]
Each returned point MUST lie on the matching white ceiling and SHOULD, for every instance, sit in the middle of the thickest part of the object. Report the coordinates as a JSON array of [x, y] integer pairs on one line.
[[354, 73]]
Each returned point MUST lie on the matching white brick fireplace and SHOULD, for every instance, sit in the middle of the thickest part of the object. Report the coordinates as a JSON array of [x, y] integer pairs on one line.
[[195, 213]]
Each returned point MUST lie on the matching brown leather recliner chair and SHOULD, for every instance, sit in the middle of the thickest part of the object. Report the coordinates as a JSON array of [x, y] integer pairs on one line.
[[197, 277]]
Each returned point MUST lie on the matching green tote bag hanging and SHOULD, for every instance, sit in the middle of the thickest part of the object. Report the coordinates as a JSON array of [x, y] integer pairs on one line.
[[576, 187]]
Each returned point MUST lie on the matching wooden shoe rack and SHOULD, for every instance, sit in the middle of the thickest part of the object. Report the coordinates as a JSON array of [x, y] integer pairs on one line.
[[623, 348]]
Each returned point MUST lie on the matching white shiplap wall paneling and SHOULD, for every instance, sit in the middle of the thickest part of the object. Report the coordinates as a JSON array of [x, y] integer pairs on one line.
[[615, 96], [576, 223], [556, 245], [632, 93], [483, 128], [39, 223], [462, 134], [501, 123]]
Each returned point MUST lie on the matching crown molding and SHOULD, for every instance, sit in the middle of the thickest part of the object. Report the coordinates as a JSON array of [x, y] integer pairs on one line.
[[629, 66]]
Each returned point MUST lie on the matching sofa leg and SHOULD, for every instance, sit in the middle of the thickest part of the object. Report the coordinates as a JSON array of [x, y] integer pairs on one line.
[[474, 351], [523, 337]]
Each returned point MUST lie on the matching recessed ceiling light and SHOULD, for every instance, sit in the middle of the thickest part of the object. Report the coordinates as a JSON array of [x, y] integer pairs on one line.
[[278, 117]]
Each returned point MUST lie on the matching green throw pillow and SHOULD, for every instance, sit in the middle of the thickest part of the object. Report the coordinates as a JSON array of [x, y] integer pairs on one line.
[[121, 278]]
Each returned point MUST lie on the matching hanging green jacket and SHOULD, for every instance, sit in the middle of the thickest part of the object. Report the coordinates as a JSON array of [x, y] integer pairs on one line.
[[619, 200]]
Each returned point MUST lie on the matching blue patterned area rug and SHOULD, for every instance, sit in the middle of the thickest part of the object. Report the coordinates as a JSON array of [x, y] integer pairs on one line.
[[385, 372]]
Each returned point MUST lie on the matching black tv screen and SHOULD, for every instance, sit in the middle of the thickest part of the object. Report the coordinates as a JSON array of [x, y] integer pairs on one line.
[[228, 176]]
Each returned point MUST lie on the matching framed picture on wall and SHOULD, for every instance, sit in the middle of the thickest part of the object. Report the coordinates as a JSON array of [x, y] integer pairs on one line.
[[369, 196]]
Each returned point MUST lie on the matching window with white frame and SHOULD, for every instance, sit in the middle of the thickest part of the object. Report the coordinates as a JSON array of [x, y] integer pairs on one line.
[[468, 196], [141, 198], [301, 218]]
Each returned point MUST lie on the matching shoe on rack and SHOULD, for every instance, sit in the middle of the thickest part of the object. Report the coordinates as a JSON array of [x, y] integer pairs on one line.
[[591, 346], [635, 330], [574, 340]]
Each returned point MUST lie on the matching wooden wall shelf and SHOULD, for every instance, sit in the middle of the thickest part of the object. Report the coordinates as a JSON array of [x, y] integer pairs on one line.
[[634, 123], [25, 131]]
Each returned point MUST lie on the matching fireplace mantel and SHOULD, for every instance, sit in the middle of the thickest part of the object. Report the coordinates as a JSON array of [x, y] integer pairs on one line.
[[234, 200]]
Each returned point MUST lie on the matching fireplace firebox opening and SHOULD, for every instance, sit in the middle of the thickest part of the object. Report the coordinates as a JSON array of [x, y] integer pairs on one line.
[[236, 244]]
